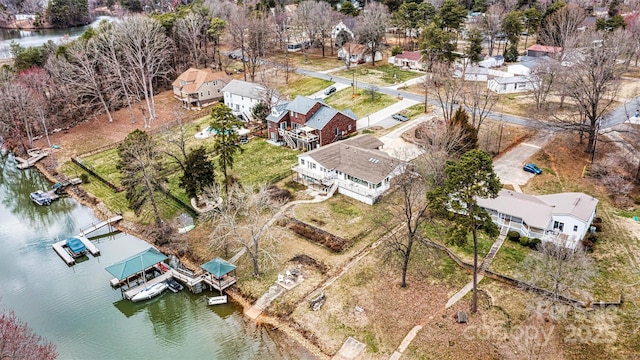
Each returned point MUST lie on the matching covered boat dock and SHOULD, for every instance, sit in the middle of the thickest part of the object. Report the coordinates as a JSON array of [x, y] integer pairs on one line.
[[216, 272], [134, 268]]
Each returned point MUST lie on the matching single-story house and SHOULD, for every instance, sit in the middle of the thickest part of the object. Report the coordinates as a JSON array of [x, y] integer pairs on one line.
[[241, 96], [355, 167], [567, 216], [306, 123], [526, 65], [197, 88], [538, 50], [492, 62], [358, 53], [472, 73], [409, 60], [512, 84]]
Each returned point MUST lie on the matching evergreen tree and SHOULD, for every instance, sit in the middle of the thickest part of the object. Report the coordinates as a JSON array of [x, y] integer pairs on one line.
[[198, 172], [68, 13], [473, 51], [460, 122], [226, 145]]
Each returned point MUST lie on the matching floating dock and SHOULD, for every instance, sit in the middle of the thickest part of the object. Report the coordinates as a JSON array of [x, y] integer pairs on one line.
[[59, 248], [35, 155]]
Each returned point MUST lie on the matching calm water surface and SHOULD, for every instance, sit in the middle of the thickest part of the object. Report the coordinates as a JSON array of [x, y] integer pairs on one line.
[[28, 38], [76, 308]]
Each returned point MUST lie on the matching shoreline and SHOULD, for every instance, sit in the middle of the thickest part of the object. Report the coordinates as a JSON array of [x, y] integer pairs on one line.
[[102, 212]]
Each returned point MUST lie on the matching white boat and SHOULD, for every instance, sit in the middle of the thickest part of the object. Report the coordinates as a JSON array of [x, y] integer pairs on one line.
[[40, 197], [151, 291], [216, 300]]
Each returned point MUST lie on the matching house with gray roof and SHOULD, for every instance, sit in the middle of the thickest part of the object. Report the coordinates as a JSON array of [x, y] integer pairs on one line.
[[306, 123], [554, 217], [241, 96], [355, 167]]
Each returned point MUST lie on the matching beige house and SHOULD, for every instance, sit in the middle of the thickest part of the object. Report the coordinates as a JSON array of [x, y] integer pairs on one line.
[[197, 88]]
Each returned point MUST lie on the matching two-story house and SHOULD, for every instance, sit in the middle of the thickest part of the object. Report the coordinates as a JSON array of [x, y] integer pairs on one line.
[[306, 123], [197, 88], [241, 96], [355, 167]]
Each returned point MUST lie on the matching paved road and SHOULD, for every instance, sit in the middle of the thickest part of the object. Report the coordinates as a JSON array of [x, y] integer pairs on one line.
[[615, 117], [383, 117]]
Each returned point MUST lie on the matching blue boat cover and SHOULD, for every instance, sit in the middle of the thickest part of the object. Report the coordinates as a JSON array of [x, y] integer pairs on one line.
[[136, 263], [218, 267], [75, 245]]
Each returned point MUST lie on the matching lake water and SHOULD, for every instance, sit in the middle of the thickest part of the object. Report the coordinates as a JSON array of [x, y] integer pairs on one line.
[[28, 38], [76, 308]]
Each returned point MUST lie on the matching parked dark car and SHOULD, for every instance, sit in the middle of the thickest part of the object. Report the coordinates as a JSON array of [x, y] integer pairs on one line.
[[532, 168], [400, 117], [330, 90]]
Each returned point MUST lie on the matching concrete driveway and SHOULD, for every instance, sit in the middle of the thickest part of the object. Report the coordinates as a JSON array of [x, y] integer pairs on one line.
[[508, 167], [395, 146], [383, 117]]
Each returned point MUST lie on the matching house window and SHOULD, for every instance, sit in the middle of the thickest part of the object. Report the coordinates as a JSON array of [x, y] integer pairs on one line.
[[301, 161], [336, 132], [201, 94], [208, 92], [349, 127], [321, 169], [558, 225], [575, 227], [313, 166], [215, 83]]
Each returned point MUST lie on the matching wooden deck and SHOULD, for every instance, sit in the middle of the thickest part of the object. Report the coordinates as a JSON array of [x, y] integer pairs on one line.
[[192, 281], [34, 157]]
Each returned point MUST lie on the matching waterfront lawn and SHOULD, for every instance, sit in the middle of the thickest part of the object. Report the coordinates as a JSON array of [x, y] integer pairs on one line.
[[263, 163], [361, 104], [382, 75], [304, 86], [104, 164]]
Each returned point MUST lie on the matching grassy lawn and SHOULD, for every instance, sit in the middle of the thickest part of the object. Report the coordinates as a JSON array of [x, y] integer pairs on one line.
[[315, 61], [382, 75], [361, 105], [104, 163], [262, 162], [303, 86], [509, 258]]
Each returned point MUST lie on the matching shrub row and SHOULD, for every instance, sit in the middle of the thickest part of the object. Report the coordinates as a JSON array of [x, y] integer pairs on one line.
[[318, 236], [523, 240]]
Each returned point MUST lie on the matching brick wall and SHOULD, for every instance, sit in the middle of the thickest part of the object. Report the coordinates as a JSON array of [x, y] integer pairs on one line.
[[340, 121]]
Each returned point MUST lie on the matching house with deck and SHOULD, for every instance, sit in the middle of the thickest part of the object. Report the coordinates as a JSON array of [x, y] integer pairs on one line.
[[355, 167], [197, 88], [307, 124], [564, 216]]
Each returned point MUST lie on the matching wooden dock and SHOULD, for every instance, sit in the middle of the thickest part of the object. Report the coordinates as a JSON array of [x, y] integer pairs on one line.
[[97, 225], [135, 290], [35, 155], [59, 248], [193, 281]]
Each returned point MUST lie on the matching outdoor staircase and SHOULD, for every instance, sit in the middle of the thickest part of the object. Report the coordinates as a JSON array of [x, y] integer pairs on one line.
[[492, 253], [332, 189], [287, 138]]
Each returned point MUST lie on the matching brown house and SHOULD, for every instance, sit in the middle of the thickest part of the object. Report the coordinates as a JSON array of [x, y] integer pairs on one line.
[[197, 88], [308, 124]]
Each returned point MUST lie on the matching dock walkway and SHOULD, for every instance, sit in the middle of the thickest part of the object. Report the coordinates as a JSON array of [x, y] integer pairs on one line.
[[97, 225]]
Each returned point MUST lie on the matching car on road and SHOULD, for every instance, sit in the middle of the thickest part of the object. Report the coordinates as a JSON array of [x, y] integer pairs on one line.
[[400, 117], [330, 90], [532, 168]]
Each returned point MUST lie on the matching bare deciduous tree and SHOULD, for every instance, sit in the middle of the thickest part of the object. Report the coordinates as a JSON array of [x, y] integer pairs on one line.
[[190, 32], [245, 218], [479, 101], [491, 24], [558, 268], [447, 90], [372, 27]]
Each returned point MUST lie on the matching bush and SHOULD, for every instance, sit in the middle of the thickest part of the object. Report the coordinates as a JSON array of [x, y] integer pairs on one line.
[[513, 235], [396, 50], [524, 241], [533, 243], [85, 178]]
